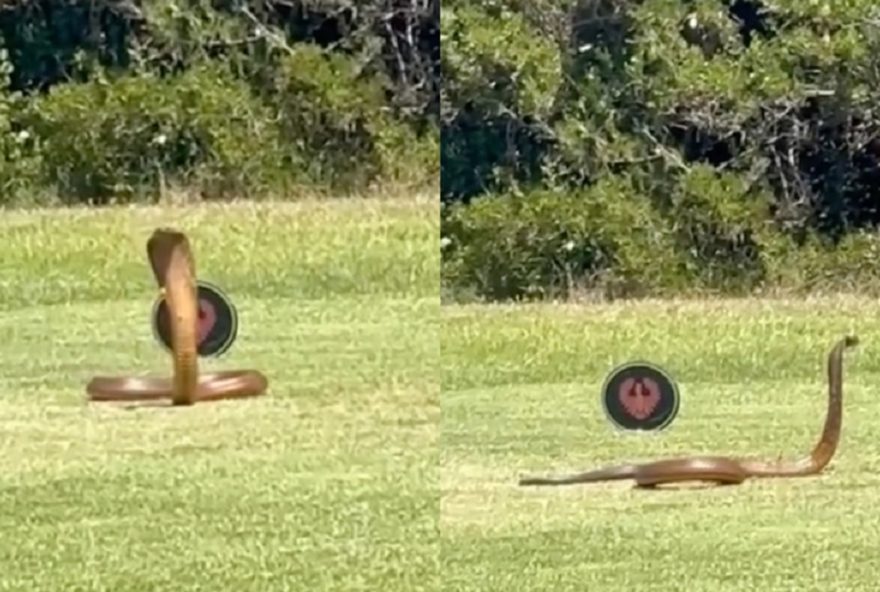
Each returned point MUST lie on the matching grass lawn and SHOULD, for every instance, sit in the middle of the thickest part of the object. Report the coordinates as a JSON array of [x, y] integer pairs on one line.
[[521, 396], [327, 483]]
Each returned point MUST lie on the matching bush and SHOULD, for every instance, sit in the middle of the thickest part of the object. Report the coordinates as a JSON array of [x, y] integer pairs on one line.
[[340, 119], [548, 243], [114, 100], [815, 265], [120, 139], [718, 224], [19, 163]]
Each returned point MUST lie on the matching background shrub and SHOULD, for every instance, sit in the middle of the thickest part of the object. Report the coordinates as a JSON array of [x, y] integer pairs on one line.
[[120, 139], [547, 243], [114, 101]]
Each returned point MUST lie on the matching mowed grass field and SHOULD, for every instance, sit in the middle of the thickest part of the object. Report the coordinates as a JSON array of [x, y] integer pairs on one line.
[[521, 396], [327, 483]]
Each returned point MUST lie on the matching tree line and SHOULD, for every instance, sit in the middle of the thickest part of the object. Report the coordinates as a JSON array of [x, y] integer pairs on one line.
[[634, 147]]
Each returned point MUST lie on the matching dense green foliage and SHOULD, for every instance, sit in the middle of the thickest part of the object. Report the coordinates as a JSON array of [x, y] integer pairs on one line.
[[109, 100], [652, 146]]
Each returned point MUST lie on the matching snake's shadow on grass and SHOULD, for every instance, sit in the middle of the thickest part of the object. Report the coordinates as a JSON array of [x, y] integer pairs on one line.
[[678, 488], [142, 405], [666, 488], [157, 404], [682, 487], [715, 486]]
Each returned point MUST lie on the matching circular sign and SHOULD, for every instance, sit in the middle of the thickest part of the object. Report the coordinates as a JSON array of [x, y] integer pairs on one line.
[[640, 396], [217, 322]]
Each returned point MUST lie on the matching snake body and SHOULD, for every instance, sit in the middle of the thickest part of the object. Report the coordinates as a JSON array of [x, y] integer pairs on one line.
[[173, 266], [725, 470]]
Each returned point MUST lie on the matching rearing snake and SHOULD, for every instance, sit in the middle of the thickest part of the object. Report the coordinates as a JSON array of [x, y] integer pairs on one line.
[[173, 266], [724, 470]]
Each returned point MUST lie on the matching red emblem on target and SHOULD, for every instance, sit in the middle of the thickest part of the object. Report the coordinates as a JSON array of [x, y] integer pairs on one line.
[[216, 325], [207, 318], [639, 396]]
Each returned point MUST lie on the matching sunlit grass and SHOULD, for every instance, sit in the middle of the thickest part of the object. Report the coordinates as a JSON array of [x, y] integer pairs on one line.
[[327, 483], [521, 396]]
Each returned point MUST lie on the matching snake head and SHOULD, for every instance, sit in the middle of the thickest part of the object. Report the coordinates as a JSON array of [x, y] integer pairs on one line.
[[161, 247]]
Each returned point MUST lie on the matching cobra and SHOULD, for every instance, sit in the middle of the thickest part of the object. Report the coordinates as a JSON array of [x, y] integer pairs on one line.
[[173, 266], [724, 470]]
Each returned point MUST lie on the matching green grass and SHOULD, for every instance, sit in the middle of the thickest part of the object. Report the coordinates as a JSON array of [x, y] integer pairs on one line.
[[327, 483], [521, 396]]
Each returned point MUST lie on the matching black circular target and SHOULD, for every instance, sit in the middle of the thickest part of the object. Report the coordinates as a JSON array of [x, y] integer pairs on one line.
[[640, 396], [217, 324]]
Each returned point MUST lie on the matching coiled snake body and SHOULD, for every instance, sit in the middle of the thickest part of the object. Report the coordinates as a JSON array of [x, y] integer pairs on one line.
[[173, 266], [724, 470]]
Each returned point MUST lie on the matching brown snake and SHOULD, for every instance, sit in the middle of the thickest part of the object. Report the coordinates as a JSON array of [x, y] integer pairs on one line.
[[724, 470], [173, 266]]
